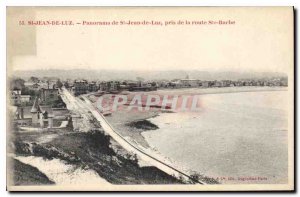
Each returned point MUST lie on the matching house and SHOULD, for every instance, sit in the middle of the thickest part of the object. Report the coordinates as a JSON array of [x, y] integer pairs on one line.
[[17, 98], [134, 83], [284, 82], [80, 87], [204, 84], [103, 86], [32, 86], [35, 111], [36, 86], [238, 83], [226, 83], [92, 87], [218, 84], [113, 85], [49, 94], [190, 82], [40, 117], [144, 86], [162, 84], [109, 86], [25, 98], [175, 84]]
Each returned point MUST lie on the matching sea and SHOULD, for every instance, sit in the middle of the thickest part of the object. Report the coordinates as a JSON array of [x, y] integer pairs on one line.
[[235, 138]]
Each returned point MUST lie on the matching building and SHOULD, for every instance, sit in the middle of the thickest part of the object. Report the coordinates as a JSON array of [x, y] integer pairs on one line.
[[113, 85], [190, 82], [17, 98], [35, 86], [225, 83], [175, 84], [40, 117], [25, 98], [92, 87], [204, 84], [162, 84], [80, 87], [146, 87], [218, 84], [240, 83], [35, 112], [132, 84], [284, 82], [32, 86], [49, 94], [103, 86]]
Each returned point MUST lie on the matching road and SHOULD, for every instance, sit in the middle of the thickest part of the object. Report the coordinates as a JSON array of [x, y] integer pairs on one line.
[[83, 107]]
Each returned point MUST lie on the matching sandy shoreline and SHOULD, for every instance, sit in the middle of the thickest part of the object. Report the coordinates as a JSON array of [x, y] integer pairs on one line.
[[133, 125], [216, 90], [123, 121]]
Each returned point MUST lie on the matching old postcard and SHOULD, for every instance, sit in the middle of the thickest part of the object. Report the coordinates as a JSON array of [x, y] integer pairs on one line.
[[150, 98]]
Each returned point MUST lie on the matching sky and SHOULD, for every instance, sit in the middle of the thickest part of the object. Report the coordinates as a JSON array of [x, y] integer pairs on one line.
[[260, 40]]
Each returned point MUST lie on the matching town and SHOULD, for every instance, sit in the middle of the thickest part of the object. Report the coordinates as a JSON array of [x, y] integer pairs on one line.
[[38, 105], [47, 89]]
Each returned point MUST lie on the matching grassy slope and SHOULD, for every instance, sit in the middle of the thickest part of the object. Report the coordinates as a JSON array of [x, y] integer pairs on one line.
[[24, 174], [94, 151]]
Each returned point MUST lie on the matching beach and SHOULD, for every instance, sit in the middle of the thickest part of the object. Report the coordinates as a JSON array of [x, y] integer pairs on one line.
[[233, 124], [124, 121]]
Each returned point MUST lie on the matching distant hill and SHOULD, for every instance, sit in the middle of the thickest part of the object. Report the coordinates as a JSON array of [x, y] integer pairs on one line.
[[153, 75]]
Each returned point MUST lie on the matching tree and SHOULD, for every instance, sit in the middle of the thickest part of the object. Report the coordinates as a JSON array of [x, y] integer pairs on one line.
[[34, 79], [17, 84], [66, 84], [59, 84]]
